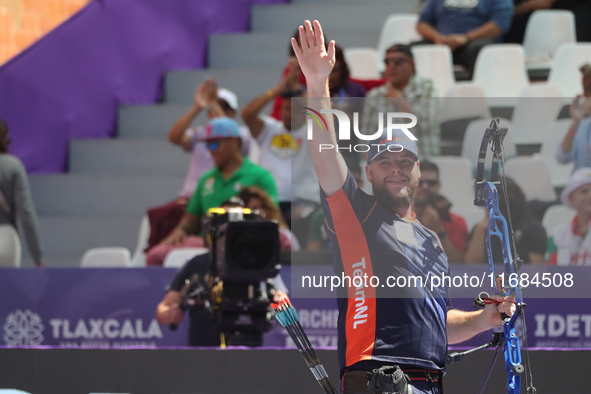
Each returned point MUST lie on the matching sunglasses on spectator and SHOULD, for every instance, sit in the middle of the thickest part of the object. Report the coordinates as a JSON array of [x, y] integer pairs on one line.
[[395, 61], [429, 182], [225, 106], [213, 145]]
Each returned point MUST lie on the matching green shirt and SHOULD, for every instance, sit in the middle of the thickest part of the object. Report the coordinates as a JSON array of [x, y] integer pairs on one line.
[[212, 189]]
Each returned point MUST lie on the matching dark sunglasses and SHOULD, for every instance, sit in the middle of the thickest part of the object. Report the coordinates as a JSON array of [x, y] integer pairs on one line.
[[395, 61], [429, 182], [225, 106], [213, 145]]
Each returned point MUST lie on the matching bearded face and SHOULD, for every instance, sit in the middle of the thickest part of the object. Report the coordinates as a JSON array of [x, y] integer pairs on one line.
[[395, 178], [395, 200]]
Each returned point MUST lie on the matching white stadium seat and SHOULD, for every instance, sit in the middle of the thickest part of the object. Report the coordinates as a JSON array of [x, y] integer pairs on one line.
[[362, 62], [434, 62], [111, 257], [532, 176], [555, 216], [397, 29], [565, 68], [139, 256], [500, 69], [455, 176], [536, 109], [546, 30], [178, 257]]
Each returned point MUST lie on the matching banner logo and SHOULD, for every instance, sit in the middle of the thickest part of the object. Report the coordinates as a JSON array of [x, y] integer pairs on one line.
[[23, 329], [392, 122], [317, 117]]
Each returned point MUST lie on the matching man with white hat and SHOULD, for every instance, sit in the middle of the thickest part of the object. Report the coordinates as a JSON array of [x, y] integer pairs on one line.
[[218, 102], [284, 147], [570, 243]]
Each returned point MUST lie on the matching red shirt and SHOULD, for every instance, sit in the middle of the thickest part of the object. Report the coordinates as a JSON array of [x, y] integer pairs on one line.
[[457, 231]]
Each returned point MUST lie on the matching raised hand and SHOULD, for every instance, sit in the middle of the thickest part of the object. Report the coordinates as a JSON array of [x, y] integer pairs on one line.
[[212, 91], [201, 94], [291, 80], [293, 76], [314, 59], [580, 107]]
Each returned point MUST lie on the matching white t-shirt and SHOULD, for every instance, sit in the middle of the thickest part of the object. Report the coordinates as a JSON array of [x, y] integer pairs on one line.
[[201, 159], [287, 156]]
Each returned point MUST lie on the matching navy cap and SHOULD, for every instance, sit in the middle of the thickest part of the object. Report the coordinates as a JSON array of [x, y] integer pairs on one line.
[[399, 141], [219, 128], [403, 48]]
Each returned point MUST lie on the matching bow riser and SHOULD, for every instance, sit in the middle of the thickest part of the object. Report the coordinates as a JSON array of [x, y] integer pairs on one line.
[[513, 364], [487, 195]]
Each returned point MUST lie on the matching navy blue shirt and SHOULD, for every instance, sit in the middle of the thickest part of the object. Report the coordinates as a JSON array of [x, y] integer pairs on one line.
[[462, 16], [383, 324], [202, 329]]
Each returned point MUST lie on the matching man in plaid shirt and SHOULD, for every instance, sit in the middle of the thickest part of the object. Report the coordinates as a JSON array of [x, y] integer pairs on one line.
[[405, 92]]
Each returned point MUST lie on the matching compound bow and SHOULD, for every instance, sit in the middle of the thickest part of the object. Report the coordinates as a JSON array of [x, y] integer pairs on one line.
[[486, 195]]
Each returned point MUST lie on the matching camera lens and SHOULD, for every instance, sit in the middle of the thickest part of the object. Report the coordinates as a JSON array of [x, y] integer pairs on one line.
[[251, 250]]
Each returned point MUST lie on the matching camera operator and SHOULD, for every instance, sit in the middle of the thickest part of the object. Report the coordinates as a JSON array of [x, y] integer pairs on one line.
[[202, 327]]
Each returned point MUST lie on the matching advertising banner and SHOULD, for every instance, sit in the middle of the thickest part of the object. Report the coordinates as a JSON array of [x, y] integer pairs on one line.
[[115, 308], [85, 308]]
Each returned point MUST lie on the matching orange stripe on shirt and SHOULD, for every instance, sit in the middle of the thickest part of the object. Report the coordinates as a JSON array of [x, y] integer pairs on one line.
[[360, 330]]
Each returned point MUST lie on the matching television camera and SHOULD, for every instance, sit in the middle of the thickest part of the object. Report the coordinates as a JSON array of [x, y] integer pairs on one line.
[[237, 290]]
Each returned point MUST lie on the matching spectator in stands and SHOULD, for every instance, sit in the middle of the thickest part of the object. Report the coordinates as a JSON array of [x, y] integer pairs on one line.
[[284, 147], [530, 236], [575, 145], [202, 328], [257, 199], [288, 69], [346, 96], [570, 244], [218, 102], [433, 211], [353, 84], [16, 203], [340, 84], [405, 92], [465, 26], [232, 173]]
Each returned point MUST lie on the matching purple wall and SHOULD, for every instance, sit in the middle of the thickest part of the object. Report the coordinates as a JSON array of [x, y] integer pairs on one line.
[[113, 52]]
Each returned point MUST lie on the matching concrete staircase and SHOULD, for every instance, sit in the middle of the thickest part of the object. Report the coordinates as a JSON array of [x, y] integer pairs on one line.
[[111, 183]]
